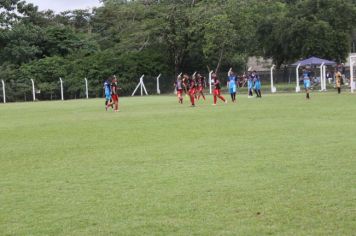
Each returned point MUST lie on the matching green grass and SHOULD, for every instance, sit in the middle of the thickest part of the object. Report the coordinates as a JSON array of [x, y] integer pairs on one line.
[[280, 166]]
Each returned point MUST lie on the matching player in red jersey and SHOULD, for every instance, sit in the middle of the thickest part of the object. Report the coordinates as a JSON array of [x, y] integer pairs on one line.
[[179, 87], [192, 91], [195, 78], [114, 94], [217, 92], [201, 86]]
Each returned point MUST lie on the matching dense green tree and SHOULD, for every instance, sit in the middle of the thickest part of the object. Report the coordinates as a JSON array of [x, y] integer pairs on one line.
[[220, 38], [309, 28], [21, 44], [177, 35]]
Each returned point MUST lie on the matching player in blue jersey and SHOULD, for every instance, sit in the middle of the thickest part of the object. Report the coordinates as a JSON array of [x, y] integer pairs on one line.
[[250, 85], [232, 84], [306, 80], [257, 84], [107, 91]]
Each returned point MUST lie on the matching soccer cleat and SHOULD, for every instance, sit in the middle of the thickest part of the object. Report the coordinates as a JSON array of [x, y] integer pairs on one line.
[[213, 104], [225, 101]]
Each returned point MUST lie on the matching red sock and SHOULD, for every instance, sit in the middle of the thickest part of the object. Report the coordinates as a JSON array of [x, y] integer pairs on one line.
[[215, 99], [192, 100]]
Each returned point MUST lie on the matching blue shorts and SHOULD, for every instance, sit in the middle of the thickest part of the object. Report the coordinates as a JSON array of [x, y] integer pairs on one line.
[[232, 89], [306, 84], [107, 97]]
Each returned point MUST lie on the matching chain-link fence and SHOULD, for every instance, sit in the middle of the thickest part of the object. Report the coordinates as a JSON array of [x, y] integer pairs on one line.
[[284, 80]]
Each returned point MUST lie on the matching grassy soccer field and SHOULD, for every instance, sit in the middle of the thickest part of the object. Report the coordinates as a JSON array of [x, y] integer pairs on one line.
[[280, 165]]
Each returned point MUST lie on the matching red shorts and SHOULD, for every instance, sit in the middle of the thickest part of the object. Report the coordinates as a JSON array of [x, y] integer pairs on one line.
[[179, 92], [200, 89], [217, 92], [192, 91], [115, 97]]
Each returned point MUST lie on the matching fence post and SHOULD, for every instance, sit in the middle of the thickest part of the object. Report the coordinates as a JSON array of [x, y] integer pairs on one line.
[[158, 90], [297, 89], [352, 82], [3, 91], [60, 79], [33, 90], [210, 89], [324, 76], [140, 84], [321, 77], [86, 88], [273, 89]]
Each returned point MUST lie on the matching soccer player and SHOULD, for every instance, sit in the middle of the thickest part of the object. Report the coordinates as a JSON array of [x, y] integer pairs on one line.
[[329, 76], [107, 91], [185, 83], [338, 78], [195, 78], [232, 85], [217, 90], [201, 86], [243, 80], [250, 85], [114, 94], [192, 90], [306, 80], [257, 84], [179, 87]]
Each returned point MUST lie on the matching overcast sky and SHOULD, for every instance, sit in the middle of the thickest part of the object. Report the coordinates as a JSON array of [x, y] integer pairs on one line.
[[62, 5]]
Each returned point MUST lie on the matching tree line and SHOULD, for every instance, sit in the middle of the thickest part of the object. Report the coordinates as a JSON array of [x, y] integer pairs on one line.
[[130, 38]]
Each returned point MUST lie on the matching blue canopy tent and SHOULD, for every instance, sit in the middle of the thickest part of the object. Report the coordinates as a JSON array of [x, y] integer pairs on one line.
[[314, 61]]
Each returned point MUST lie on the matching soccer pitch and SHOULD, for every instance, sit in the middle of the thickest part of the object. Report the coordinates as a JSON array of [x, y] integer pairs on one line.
[[279, 165]]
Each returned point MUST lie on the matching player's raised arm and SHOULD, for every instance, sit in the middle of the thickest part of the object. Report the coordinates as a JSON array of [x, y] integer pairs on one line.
[[229, 73]]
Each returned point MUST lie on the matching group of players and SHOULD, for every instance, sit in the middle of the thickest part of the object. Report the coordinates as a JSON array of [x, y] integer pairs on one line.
[[193, 86], [111, 93]]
